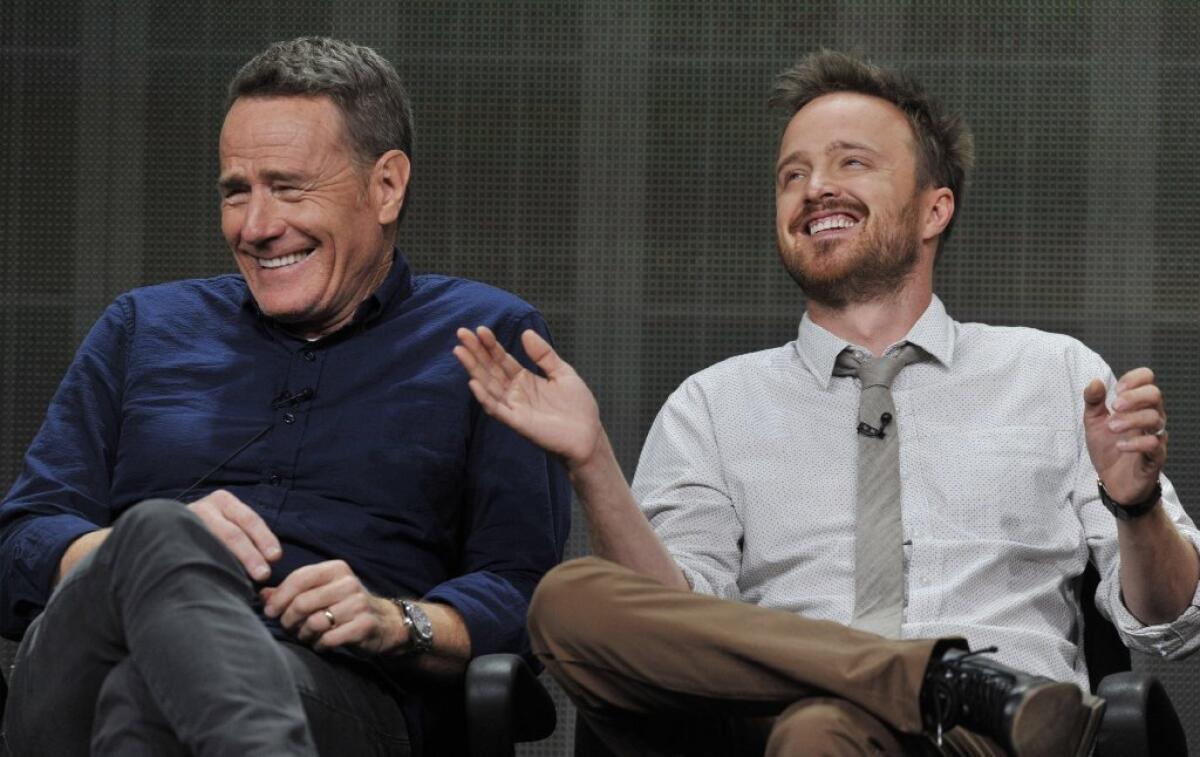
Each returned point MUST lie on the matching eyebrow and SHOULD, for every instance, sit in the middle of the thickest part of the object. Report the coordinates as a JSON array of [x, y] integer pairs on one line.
[[238, 180], [847, 146], [836, 146]]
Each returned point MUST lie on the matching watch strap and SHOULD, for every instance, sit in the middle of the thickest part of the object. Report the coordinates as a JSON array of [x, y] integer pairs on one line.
[[1131, 511]]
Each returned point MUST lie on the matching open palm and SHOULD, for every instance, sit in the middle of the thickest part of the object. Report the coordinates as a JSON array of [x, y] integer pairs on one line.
[[558, 412]]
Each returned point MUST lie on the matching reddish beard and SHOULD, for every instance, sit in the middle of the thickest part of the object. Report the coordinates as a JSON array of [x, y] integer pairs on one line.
[[880, 259]]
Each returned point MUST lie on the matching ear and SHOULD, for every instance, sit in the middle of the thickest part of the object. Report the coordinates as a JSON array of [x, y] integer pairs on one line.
[[389, 182], [939, 209]]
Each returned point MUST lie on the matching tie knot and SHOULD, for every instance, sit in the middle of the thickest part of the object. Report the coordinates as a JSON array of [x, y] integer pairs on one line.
[[876, 371]]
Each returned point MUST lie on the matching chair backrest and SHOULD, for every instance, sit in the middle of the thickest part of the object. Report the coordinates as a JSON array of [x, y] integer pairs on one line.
[[1102, 646]]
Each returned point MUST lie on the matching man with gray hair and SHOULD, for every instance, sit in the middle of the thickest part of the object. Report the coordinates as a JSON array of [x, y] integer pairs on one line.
[[264, 515]]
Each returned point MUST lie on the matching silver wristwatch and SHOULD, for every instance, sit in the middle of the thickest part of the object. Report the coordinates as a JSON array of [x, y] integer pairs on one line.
[[420, 630]]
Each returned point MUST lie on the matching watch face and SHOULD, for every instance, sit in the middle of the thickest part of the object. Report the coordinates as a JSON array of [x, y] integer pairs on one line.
[[422, 629]]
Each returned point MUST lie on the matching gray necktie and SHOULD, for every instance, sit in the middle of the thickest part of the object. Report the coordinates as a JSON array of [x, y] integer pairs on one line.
[[878, 526]]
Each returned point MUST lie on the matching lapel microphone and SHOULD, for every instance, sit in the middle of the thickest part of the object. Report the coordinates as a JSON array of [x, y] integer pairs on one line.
[[866, 429]]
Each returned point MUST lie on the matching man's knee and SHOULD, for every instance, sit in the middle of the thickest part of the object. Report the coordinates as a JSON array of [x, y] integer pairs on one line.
[[154, 516], [573, 601], [829, 727], [166, 526], [158, 537]]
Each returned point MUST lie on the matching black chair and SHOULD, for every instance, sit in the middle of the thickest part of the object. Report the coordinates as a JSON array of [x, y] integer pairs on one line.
[[1139, 719], [503, 704]]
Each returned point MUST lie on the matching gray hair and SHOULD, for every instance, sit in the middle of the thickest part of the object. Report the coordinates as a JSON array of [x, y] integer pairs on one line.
[[945, 148], [364, 86]]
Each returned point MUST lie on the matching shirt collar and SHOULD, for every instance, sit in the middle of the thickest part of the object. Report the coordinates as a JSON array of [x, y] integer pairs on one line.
[[818, 348], [396, 288]]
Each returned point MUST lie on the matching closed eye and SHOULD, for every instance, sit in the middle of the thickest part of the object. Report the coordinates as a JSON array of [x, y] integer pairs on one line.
[[787, 177], [288, 192]]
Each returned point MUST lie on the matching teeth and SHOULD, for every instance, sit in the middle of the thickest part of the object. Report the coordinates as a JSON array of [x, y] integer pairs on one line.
[[285, 260], [831, 222]]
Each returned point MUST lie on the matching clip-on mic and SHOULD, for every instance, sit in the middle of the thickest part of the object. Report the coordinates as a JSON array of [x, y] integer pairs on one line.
[[865, 429]]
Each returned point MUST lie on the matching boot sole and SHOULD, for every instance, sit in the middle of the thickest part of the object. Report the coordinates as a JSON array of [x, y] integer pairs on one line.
[[1052, 722]]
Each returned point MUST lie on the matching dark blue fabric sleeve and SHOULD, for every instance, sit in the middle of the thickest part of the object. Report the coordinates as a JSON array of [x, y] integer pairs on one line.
[[63, 489], [515, 525]]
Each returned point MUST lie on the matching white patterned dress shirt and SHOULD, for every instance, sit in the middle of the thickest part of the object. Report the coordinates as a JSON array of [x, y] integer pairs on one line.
[[748, 475]]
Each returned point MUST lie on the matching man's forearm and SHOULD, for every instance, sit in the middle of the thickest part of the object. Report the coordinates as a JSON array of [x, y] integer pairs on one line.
[[617, 529], [79, 549], [1159, 567]]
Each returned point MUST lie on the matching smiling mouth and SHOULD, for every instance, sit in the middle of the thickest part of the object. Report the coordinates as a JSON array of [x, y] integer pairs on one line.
[[831, 223], [284, 260]]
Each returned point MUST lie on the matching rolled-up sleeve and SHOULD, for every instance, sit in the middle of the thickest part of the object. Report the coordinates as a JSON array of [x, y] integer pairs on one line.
[[1172, 640], [680, 488], [518, 513], [63, 489]]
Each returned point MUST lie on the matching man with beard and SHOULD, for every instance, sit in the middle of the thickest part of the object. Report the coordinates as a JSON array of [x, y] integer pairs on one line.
[[791, 585]]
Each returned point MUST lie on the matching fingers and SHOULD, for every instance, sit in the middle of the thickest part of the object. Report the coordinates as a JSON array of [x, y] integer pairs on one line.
[[309, 578], [1146, 395], [1148, 421], [357, 622], [241, 530], [1093, 400], [483, 364], [490, 355], [1138, 411], [542, 354], [1151, 445], [324, 605], [1134, 378], [1136, 407], [506, 362]]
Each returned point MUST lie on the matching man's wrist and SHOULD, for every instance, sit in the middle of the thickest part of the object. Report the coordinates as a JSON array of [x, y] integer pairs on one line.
[[1130, 510], [417, 628]]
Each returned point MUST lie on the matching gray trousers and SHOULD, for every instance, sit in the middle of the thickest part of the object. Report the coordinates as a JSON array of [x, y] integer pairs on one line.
[[150, 646]]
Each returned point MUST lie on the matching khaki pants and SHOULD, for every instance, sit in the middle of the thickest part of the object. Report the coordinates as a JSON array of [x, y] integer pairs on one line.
[[658, 671]]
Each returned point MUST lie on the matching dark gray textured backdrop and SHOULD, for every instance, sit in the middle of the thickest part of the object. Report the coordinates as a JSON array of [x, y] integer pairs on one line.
[[611, 162]]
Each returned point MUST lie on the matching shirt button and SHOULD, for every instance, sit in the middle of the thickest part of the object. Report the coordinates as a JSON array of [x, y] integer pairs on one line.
[[308, 355], [289, 418], [275, 479]]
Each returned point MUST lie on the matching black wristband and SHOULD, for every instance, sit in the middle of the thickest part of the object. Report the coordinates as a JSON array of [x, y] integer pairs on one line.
[[1135, 510]]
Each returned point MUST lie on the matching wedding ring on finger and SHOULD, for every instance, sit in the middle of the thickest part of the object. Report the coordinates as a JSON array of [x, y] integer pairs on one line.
[[1161, 429], [332, 620]]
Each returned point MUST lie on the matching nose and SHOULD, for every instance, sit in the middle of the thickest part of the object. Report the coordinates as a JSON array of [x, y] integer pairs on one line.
[[820, 186], [262, 222]]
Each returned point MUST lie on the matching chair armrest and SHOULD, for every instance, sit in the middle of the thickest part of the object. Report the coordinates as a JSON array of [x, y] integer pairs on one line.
[[505, 703], [1139, 719]]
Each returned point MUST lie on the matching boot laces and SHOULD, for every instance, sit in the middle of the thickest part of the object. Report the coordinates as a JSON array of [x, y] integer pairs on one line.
[[970, 695]]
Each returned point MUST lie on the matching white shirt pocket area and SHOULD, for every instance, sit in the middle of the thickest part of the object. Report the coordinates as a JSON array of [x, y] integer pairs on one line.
[[997, 484]]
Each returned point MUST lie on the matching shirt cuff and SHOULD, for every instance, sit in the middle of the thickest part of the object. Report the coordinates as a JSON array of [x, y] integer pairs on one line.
[[492, 608], [31, 563], [1172, 640]]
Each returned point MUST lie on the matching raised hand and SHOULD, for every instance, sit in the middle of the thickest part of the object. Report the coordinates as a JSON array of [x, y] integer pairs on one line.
[[558, 412], [1128, 446]]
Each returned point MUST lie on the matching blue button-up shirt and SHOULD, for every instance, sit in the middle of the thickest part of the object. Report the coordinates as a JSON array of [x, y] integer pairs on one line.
[[365, 445]]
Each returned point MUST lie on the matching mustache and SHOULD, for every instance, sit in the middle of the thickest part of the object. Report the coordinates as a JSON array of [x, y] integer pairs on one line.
[[828, 206]]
